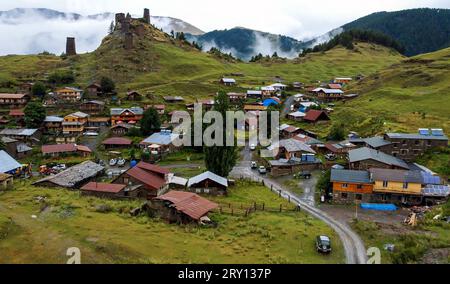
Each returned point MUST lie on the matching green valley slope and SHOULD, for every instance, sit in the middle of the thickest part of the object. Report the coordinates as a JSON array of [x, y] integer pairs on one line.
[[406, 96]]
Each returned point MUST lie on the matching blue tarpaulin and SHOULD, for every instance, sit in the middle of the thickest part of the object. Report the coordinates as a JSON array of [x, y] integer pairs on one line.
[[379, 207]]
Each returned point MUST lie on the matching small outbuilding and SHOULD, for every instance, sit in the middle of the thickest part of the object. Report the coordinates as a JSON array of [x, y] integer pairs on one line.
[[117, 142], [208, 183]]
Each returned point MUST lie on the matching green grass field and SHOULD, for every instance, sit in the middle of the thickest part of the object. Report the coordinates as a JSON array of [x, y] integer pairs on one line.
[[66, 220]]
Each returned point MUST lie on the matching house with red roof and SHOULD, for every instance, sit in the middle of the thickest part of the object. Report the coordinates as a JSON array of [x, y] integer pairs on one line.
[[181, 207], [58, 150], [113, 191], [154, 179], [117, 142], [315, 116]]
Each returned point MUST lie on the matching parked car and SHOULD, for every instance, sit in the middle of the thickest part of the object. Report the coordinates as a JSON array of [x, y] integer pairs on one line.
[[323, 244], [113, 162], [303, 174], [254, 165], [252, 147], [262, 170], [330, 157], [121, 162]]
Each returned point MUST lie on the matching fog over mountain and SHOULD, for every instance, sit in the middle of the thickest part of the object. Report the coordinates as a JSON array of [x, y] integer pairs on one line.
[[29, 31]]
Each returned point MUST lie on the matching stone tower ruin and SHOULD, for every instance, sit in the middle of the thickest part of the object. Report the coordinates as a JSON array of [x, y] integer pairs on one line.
[[147, 15], [70, 46]]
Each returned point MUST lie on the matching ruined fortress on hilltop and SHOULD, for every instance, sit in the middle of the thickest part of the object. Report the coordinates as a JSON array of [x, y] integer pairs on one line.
[[124, 27]]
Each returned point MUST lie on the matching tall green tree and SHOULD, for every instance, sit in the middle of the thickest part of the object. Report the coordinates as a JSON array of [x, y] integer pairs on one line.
[[337, 132], [107, 85], [34, 114], [150, 121], [38, 89], [221, 159]]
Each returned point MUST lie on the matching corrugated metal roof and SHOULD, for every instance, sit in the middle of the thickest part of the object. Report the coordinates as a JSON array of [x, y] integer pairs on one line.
[[365, 153], [293, 145], [7, 163], [117, 141], [208, 175], [415, 136], [18, 132], [396, 175], [350, 176], [189, 203], [152, 180], [53, 119], [376, 142], [160, 138]]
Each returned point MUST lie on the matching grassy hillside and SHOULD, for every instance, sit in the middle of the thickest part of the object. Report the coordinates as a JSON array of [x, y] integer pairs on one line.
[[65, 219], [406, 96]]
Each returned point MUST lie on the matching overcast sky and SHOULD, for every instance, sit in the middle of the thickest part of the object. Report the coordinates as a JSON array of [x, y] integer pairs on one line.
[[297, 18]]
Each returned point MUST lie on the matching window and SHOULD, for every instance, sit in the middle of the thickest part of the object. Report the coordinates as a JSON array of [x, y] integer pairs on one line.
[[429, 142], [395, 145], [345, 185], [358, 196], [385, 183], [359, 186], [417, 142], [405, 185], [344, 195], [404, 142], [206, 190], [404, 152]]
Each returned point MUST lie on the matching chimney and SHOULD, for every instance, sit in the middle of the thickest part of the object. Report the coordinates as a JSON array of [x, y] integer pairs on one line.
[[147, 15], [70, 46]]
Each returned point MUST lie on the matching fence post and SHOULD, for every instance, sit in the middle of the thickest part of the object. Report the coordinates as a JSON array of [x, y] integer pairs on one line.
[[281, 207], [289, 198], [271, 187], [279, 193], [254, 205], [264, 206], [232, 212]]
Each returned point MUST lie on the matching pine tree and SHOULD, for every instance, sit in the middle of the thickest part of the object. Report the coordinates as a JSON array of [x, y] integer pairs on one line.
[[221, 159]]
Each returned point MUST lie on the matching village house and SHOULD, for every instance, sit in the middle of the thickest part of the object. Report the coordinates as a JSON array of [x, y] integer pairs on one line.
[[258, 107], [133, 96], [341, 148], [6, 181], [3, 121], [22, 134], [228, 81], [23, 151], [97, 122], [293, 165], [17, 115], [268, 91], [73, 177], [397, 186], [58, 150], [26, 88], [113, 191], [289, 131], [8, 165], [254, 94], [92, 107], [328, 94], [296, 116], [94, 90], [291, 148], [181, 207], [153, 179], [279, 86], [297, 85], [14, 101], [53, 124], [121, 129], [10, 145], [306, 106], [128, 115], [117, 142], [207, 104], [349, 185], [237, 97], [173, 99], [161, 142], [75, 123], [314, 116], [366, 158], [208, 183], [69, 95], [334, 86], [342, 80]]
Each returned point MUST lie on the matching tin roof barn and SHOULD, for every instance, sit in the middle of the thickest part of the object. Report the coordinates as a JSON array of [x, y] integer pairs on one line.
[[7, 163], [73, 177]]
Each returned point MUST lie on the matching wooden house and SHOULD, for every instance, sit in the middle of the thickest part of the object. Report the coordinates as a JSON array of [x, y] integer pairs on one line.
[[133, 96], [69, 95], [228, 81], [75, 123], [113, 191], [208, 183], [365, 158], [314, 116], [121, 129], [128, 115], [117, 142], [15, 101], [349, 185], [94, 90], [53, 124], [92, 107]]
